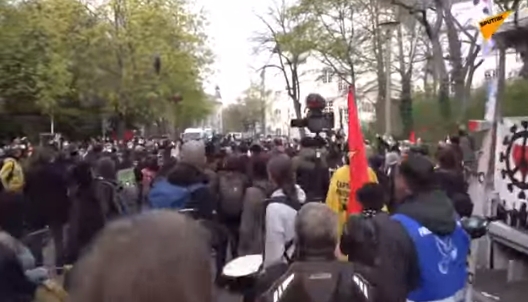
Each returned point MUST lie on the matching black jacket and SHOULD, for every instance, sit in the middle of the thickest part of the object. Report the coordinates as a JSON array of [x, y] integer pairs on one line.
[[46, 192], [455, 187], [332, 281], [387, 259]]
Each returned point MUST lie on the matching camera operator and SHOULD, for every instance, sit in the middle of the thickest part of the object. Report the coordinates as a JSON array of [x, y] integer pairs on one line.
[[316, 274], [311, 168]]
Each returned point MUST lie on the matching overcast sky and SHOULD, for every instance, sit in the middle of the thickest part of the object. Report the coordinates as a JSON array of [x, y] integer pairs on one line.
[[232, 24]]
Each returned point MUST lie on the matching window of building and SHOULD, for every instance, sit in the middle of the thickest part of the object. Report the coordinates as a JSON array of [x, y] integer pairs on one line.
[[329, 106], [277, 94], [344, 113], [277, 113], [342, 86], [327, 75]]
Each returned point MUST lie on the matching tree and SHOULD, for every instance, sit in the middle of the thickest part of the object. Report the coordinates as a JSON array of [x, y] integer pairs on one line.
[[62, 58], [430, 125], [332, 34], [462, 61], [410, 51], [246, 113], [284, 39], [347, 37]]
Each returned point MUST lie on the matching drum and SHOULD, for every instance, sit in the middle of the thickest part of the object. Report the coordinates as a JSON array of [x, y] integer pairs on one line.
[[241, 273]]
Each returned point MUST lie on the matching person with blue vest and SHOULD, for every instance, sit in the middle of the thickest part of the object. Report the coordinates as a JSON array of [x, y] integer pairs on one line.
[[441, 246]]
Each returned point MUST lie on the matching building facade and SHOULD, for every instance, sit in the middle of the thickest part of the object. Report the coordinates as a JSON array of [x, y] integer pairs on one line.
[[318, 78], [315, 78]]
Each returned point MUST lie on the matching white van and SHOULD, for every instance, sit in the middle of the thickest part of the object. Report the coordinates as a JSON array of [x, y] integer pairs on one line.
[[193, 134]]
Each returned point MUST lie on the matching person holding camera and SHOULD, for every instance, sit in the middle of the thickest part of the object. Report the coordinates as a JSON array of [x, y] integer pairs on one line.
[[311, 169]]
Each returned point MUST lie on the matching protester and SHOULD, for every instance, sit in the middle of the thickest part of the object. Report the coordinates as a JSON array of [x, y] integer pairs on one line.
[[252, 219], [186, 185], [316, 274], [148, 174], [441, 246], [87, 216], [451, 180], [467, 145], [107, 187], [142, 259], [232, 184], [281, 211], [339, 190], [11, 193], [46, 194], [15, 285], [311, 169], [380, 247], [360, 237]]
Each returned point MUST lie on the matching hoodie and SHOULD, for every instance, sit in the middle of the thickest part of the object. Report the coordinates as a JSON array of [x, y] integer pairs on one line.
[[431, 209], [280, 228]]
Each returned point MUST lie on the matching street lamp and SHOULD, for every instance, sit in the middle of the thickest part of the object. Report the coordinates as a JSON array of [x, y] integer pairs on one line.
[[388, 26]]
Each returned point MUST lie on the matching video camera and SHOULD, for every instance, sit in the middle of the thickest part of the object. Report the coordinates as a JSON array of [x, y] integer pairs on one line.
[[316, 119]]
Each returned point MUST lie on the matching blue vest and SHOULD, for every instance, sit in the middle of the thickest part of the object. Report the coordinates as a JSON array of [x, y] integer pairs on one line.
[[442, 262]]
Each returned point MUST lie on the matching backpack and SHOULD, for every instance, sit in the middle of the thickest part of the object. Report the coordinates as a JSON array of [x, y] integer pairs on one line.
[[164, 195], [325, 281], [12, 175], [119, 205], [313, 181], [232, 187]]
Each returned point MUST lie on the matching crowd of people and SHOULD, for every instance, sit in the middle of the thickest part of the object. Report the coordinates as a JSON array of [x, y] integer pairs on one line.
[[154, 240]]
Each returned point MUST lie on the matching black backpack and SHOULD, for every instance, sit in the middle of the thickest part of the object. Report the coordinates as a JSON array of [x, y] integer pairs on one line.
[[314, 181], [231, 189]]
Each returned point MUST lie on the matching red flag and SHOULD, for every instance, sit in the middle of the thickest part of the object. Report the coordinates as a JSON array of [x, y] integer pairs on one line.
[[412, 137], [358, 157]]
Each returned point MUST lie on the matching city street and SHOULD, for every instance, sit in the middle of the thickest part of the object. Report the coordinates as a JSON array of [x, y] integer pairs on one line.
[[490, 285]]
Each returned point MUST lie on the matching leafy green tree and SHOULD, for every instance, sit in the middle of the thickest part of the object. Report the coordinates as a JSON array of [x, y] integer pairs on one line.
[[430, 125], [63, 59]]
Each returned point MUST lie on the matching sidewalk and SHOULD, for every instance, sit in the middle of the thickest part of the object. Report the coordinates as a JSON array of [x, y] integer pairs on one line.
[[491, 286]]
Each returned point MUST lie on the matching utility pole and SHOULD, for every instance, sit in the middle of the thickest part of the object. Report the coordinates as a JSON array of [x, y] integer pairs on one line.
[[389, 26]]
